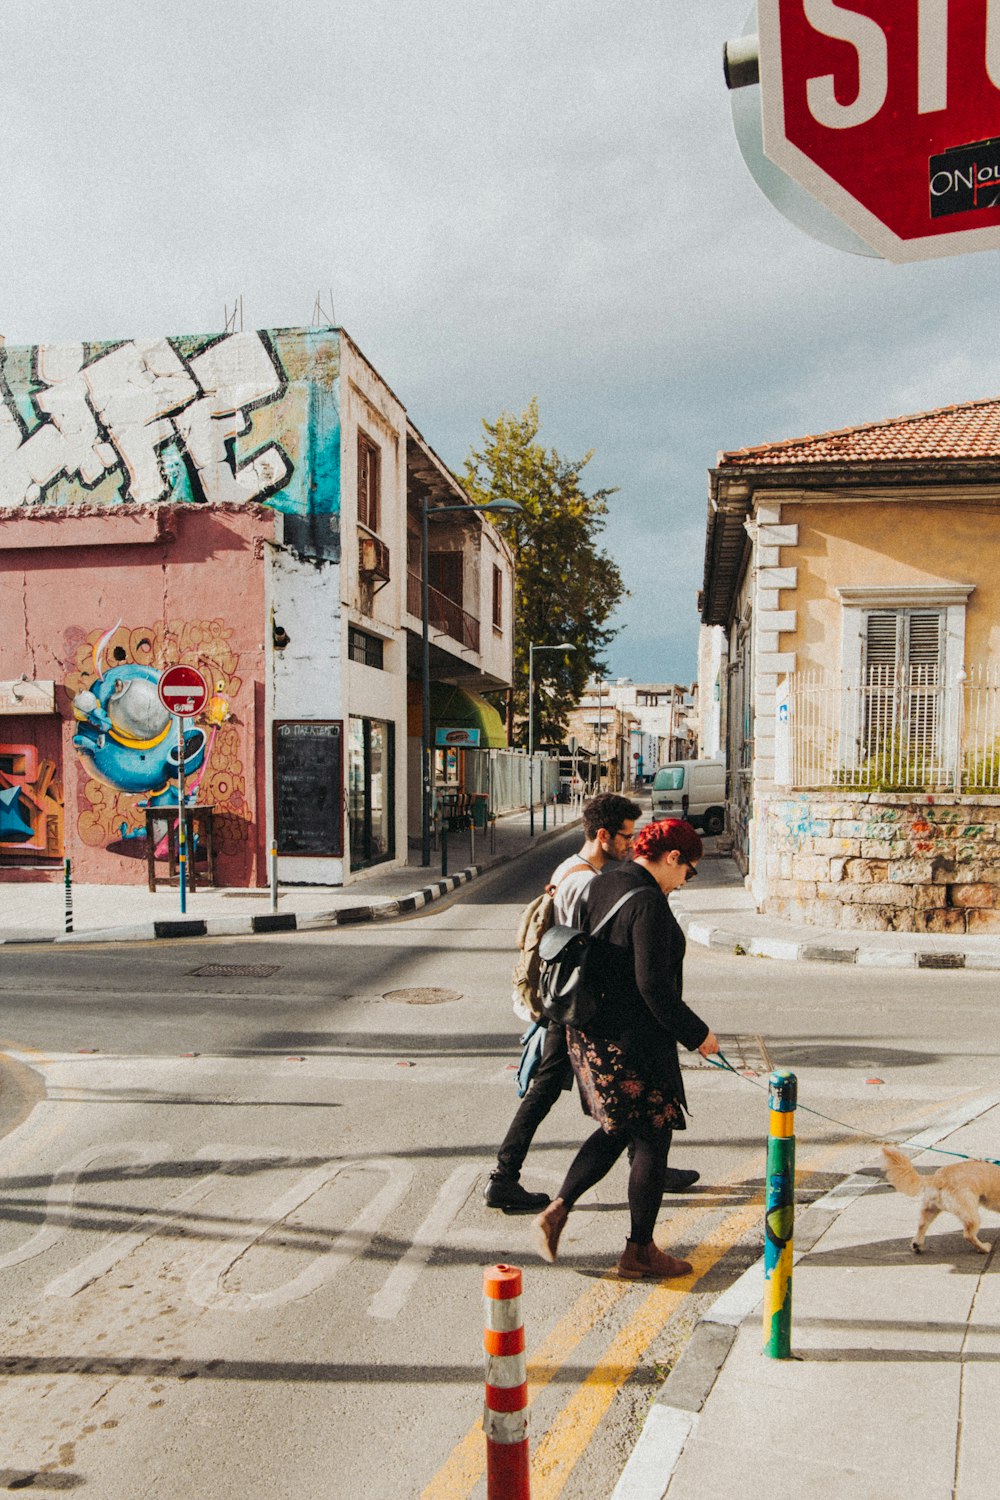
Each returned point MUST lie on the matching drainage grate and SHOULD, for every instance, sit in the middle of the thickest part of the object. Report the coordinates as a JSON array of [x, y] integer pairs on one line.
[[422, 997], [235, 971], [747, 1053], [940, 960]]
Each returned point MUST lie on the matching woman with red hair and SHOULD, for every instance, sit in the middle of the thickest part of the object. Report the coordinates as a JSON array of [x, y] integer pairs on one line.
[[625, 1059]]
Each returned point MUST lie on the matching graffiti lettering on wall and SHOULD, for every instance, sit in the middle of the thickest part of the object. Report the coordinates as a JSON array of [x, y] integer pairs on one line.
[[31, 802], [211, 420], [129, 743]]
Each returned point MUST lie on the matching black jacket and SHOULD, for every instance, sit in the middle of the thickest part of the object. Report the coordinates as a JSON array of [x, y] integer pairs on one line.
[[639, 967]]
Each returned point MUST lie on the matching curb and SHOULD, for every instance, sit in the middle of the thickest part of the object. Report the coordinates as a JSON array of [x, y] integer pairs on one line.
[[674, 1414], [348, 916], [788, 950]]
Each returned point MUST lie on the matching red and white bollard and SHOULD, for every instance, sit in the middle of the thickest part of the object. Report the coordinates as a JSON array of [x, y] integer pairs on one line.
[[505, 1416]]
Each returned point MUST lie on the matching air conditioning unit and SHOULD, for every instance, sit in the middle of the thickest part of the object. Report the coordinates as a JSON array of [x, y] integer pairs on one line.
[[374, 558]]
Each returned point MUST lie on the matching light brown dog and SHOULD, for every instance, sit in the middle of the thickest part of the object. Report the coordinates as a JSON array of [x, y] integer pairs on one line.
[[959, 1189]]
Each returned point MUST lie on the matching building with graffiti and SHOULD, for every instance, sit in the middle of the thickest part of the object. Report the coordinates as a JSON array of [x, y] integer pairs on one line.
[[248, 504]]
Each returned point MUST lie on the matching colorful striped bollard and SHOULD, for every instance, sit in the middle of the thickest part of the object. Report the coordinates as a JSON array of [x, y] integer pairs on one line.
[[779, 1216], [68, 896], [505, 1416]]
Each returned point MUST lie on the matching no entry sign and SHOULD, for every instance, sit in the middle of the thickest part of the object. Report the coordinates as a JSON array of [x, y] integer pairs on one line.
[[183, 691], [888, 112]]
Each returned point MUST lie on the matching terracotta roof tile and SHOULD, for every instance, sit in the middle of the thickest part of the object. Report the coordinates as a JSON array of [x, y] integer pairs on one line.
[[968, 431]]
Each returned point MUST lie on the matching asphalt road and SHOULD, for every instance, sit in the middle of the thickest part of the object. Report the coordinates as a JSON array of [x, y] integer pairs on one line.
[[242, 1233]]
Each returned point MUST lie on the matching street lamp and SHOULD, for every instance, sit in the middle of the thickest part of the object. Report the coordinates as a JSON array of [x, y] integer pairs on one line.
[[532, 648], [491, 507]]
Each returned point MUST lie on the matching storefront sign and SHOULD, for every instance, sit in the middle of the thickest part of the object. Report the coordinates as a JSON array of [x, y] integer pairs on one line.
[[457, 738]]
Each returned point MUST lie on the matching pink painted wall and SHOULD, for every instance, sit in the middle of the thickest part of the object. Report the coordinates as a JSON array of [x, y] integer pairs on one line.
[[150, 586]]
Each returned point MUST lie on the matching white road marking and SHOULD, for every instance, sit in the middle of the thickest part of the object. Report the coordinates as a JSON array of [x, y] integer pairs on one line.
[[390, 1301], [56, 1201], [101, 1261], [205, 1282]]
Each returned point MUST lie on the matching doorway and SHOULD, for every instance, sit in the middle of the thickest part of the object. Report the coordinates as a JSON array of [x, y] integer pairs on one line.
[[371, 776]]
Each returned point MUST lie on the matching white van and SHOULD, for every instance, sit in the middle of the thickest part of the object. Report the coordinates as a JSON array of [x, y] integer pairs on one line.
[[692, 789]]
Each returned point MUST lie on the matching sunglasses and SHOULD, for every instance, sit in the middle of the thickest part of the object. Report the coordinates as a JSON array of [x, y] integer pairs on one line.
[[691, 871]]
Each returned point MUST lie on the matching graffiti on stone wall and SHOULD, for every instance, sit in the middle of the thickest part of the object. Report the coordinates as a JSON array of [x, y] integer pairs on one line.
[[129, 742], [212, 420]]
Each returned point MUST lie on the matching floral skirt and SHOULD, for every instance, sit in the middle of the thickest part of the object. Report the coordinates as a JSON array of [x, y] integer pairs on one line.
[[614, 1093]]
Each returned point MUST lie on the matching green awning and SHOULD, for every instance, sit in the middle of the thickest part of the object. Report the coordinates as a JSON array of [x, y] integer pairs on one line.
[[458, 708]]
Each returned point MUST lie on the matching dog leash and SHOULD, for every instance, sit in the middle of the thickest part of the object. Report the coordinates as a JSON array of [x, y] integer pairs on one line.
[[721, 1061]]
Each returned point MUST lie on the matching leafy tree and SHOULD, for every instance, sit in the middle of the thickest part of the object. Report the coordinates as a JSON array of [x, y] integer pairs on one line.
[[565, 586]]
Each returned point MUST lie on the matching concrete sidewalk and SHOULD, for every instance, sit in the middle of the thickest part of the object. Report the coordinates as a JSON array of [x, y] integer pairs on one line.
[[717, 911], [895, 1386], [34, 912]]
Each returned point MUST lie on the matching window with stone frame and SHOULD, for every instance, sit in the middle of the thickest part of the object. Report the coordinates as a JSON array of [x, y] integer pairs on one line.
[[903, 661]]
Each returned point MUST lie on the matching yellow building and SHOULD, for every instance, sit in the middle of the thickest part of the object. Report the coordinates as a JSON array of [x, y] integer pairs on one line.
[[855, 575]]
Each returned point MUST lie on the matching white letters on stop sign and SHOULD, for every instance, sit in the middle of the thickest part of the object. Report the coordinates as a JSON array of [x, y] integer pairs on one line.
[[868, 40], [833, 19]]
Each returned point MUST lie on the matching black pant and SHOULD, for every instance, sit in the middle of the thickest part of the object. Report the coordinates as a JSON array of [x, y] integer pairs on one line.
[[552, 1076], [598, 1155]]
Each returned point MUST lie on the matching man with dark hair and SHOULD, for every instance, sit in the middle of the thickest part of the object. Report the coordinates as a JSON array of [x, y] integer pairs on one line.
[[608, 827]]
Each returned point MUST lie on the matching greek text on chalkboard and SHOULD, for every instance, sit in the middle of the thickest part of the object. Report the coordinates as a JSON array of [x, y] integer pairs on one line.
[[308, 787]]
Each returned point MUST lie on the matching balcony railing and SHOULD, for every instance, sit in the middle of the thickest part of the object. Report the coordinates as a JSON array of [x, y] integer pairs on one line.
[[443, 614], [894, 730]]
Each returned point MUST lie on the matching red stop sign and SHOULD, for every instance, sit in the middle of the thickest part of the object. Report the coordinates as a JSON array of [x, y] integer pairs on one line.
[[888, 112], [183, 691]]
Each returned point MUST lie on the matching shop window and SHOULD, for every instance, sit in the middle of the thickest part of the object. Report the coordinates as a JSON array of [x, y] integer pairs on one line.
[[371, 791]]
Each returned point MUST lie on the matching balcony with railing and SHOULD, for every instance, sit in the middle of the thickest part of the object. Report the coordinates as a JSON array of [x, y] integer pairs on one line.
[[443, 614], [894, 730]]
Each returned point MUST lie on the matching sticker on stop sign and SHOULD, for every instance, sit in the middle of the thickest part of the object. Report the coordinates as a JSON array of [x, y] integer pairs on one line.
[[888, 113], [183, 691]]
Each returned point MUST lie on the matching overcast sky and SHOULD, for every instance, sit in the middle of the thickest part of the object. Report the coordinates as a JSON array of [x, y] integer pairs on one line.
[[507, 200]]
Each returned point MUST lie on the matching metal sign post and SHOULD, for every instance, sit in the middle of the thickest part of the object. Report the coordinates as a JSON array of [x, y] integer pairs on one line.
[[181, 830], [183, 692]]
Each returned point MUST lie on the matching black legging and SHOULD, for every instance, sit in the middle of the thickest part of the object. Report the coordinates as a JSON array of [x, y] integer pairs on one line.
[[598, 1155]]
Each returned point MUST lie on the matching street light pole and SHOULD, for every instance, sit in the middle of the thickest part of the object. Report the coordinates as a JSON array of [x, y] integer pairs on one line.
[[425, 719], [532, 648], [494, 507], [600, 686], [531, 740]]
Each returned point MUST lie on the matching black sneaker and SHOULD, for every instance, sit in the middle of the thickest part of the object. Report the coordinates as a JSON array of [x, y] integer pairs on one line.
[[679, 1179], [508, 1194]]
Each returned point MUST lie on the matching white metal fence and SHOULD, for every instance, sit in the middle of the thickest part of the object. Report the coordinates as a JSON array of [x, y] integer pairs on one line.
[[895, 729], [503, 776]]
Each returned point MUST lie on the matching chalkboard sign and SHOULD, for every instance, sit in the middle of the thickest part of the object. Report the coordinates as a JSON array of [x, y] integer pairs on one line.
[[309, 786]]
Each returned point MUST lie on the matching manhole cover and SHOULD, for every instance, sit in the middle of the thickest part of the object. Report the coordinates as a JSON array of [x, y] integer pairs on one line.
[[235, 971], [422, 997]]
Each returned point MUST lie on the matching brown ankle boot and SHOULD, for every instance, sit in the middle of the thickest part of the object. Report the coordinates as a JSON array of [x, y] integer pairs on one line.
[[647, 1263], [548, 1227]]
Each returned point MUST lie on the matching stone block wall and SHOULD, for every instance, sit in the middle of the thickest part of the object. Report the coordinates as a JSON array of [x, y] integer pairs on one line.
[[881, 861]]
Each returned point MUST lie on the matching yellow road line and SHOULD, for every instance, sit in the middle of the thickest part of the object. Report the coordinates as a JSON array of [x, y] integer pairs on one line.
[[560, 1447], [466, 1464], [566, 1439]]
